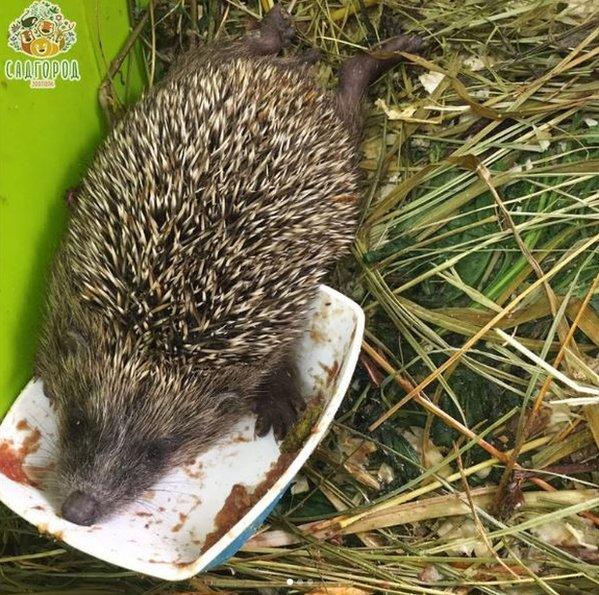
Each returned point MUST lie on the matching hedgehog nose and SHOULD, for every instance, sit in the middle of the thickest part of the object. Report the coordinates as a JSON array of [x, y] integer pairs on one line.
[[80, 508]]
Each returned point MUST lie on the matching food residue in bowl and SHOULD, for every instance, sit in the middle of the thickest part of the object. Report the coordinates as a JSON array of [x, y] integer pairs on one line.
[[179, 525], [11, 463], [44, 530], [318, 336], [183, 517], [241, 500], [12, 459], [194, 470], [332, 372]]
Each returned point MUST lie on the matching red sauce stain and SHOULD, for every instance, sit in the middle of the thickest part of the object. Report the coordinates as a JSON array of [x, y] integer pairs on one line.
[[38, 507], [240, 500], [140, 513], [161, 509], [11, 459], [179, 525], [11, 464], [31, 443]]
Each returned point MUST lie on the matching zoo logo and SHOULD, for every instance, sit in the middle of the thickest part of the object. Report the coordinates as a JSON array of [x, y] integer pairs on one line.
[[42, 32]]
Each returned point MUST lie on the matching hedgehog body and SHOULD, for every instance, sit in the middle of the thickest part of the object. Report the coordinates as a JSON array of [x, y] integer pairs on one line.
[[196, 244], [213, 210]]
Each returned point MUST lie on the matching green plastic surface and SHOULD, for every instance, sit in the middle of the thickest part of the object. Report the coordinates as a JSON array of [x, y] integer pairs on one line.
[[47, 138]]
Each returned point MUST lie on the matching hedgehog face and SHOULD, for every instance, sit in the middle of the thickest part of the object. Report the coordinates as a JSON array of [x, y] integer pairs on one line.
[[124, 421], [106, 461], [109, 455]]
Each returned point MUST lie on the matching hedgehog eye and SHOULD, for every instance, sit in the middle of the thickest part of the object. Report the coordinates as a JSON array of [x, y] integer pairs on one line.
[[76, 424], [157, 451]]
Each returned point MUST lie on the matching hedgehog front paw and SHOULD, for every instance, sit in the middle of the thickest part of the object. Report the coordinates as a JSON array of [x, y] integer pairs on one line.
[[278, 402], [278, 412]]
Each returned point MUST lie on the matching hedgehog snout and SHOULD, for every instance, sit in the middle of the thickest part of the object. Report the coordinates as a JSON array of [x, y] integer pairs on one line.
[[80, 508]]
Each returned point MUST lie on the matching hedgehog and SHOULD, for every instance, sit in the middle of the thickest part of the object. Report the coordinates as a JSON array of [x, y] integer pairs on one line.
[[195, 246]]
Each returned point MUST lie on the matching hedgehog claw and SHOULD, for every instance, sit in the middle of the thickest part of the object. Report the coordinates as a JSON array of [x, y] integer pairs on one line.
[[277, 411]]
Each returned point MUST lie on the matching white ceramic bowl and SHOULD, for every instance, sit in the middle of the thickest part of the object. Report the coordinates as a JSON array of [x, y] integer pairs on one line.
[[164, 534]]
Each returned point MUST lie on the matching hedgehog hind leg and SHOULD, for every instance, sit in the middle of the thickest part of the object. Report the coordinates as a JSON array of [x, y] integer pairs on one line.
[[278, 401], [275, 33], [358, 72]]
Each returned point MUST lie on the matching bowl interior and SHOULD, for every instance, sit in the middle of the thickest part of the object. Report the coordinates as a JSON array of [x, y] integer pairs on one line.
[[165, 532]]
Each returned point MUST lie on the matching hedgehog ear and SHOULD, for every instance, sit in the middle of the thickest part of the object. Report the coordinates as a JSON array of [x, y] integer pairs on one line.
[[228, 399], [75, 341]]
